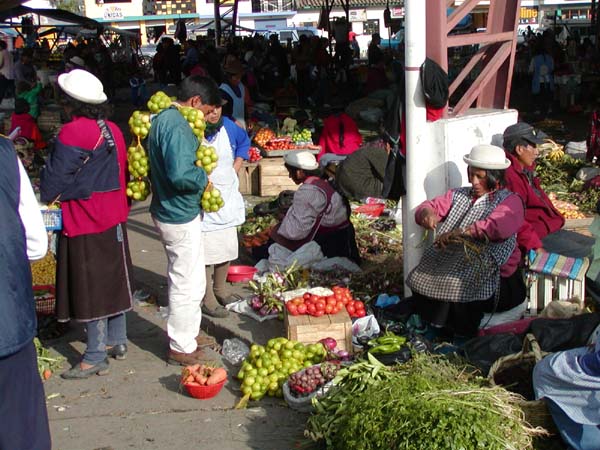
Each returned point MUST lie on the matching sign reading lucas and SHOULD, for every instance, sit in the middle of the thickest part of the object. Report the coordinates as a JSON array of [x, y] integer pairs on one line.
[[113, 12]]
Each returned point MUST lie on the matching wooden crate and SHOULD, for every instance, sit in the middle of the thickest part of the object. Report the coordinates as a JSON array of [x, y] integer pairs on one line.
[[309, 329], [249, 181], [273, 177], [581, 226]]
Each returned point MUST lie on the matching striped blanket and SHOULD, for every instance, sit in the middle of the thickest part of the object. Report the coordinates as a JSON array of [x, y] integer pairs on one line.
[[541, 261]]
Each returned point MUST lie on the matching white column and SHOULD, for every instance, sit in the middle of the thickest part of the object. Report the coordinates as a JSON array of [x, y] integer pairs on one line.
[[416, 124]]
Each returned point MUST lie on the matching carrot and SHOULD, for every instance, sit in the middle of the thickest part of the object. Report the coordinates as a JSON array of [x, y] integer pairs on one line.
[[218, 375], [189, 379], [47, 374], [192, 383], [200, 378], [195, 367]]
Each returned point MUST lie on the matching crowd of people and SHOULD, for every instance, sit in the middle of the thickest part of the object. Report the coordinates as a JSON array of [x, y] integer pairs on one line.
[[499, 218]]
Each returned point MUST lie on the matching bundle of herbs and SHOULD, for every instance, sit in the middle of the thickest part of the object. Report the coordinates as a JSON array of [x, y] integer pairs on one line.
[[428, 403]]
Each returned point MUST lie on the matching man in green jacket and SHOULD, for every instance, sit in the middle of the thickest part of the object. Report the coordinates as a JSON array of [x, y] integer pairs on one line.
[[177, 187]]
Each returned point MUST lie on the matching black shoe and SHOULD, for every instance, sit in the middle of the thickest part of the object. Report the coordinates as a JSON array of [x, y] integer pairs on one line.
[[118, 352], [77, 373]]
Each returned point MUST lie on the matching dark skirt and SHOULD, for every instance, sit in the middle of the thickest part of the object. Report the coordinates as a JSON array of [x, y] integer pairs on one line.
[[93, 275], [464, 318]]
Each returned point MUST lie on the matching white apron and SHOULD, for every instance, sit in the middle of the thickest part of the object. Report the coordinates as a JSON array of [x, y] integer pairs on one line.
[[220, 234]]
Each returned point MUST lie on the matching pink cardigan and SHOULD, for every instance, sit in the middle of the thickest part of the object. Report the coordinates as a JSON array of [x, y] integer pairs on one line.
[[103, 210], [499, 225]]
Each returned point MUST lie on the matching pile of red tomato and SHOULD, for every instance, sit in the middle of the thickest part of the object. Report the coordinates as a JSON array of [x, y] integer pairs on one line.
[[254, 154], [317, 305]]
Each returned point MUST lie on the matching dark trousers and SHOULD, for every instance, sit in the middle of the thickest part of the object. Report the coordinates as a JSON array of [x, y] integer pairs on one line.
[[23, 415]]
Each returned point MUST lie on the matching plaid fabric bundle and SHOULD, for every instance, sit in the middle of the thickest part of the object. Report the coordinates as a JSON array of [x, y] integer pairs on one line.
[[541, 261], [463, 273]]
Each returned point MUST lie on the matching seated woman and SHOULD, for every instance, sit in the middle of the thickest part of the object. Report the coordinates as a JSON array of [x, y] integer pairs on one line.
[[339, 137], [569, 382], [543, 222], [472, 268], [318, 212]]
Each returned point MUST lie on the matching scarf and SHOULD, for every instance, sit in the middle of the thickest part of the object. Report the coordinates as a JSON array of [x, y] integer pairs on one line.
[[213, 128]]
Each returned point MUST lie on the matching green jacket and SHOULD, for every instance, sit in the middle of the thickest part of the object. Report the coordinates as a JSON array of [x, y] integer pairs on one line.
[[31, 97], [177, 183]]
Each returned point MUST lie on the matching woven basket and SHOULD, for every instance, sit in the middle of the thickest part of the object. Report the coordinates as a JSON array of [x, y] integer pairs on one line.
[[518, 365], [537, 415], [45, 300], [49, 121]]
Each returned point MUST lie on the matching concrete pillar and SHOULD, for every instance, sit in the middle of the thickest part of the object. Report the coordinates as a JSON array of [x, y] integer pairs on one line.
[[416, 127]]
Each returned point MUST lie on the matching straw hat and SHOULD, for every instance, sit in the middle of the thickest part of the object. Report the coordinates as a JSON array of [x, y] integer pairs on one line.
[[233, 66], [77, 61], [301, 160], [82, 86], [485, 156]]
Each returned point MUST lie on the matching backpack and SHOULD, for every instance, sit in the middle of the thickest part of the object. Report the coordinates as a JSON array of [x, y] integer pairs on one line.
[[593, 138], [393, 181], [434, 80]]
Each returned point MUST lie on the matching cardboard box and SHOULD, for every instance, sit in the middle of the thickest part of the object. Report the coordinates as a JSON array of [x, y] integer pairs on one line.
[[308, 329]]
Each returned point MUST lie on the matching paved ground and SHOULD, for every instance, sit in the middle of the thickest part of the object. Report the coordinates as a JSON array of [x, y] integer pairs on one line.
[[139, 405]]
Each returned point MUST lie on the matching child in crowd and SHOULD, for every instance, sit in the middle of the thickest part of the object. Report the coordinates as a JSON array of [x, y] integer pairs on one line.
[[30, 93], [27, 124]]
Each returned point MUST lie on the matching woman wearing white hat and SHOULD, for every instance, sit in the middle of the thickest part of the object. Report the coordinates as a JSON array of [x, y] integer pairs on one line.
[[318, 212], [472, 267], [87, 172]]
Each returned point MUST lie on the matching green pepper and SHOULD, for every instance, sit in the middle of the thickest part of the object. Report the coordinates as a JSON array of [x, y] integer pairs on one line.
[[385, 348], [391, 339]]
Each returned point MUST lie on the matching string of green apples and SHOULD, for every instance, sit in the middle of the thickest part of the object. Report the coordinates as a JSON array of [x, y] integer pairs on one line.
[[138, 188]]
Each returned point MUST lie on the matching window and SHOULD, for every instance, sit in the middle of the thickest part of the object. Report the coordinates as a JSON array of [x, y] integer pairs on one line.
[[371, 26]]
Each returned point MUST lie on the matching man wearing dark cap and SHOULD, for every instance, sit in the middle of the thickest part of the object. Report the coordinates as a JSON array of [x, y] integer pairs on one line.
[[543, 223]]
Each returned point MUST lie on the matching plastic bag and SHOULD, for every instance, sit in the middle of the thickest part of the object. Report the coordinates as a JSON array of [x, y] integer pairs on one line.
[[235, 351], [363, 328]]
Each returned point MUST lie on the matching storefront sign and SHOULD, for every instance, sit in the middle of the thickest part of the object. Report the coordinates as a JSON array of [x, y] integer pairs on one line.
[[113, 12], [528, 16], [398, 12], [358, 15]]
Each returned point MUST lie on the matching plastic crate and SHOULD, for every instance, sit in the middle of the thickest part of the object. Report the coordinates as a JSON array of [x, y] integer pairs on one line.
[[52, 219], [45, 299]]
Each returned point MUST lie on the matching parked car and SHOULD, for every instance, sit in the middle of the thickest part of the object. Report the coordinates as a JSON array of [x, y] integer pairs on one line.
[[292, 33]]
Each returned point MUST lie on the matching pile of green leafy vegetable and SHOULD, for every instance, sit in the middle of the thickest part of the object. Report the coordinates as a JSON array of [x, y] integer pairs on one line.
[[558, 176], [428, 403]]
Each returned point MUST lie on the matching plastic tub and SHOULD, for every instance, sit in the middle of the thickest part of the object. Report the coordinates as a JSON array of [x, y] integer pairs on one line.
[[204, 392], [240, 274]]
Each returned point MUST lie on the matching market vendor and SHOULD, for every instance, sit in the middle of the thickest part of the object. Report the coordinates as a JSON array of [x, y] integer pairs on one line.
[[569, 382], [543, 222], [472, 267], [318, 213]]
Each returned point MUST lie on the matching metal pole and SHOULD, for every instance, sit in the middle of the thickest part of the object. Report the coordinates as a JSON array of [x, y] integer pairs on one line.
[[416, 123]]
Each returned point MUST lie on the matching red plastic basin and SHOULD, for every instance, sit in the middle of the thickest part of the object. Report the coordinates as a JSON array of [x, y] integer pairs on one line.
[[204, 392], [239, 274]]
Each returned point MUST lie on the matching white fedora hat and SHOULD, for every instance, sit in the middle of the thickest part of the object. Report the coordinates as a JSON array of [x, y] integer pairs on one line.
[[82, 86], [301, 160], [485, 156]]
